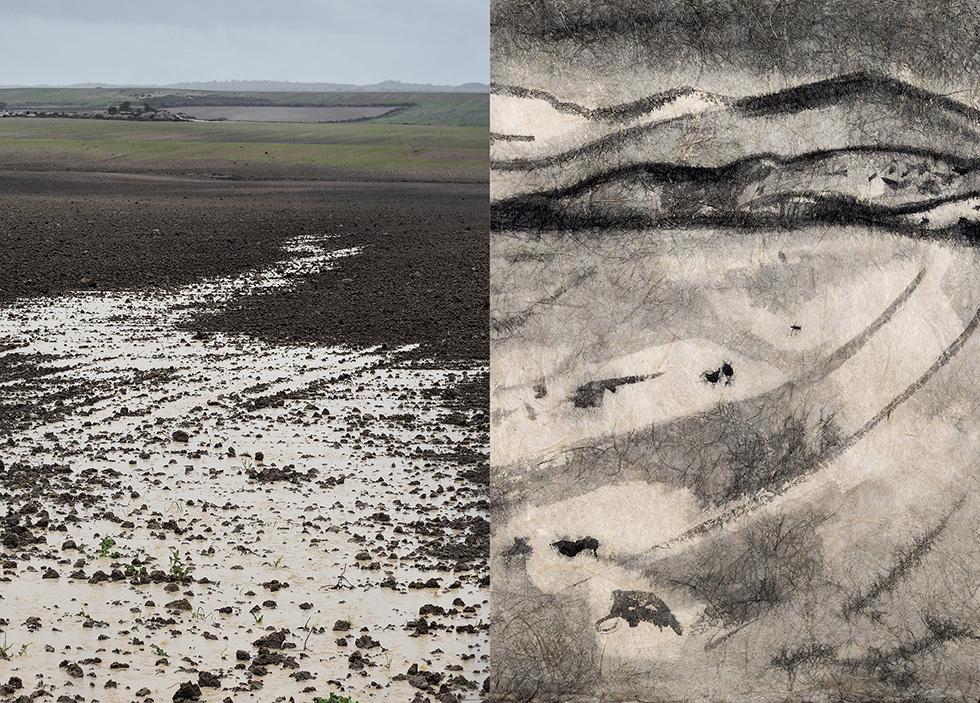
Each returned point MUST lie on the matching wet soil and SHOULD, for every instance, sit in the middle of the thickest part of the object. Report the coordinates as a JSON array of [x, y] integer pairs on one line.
[[222, 475], [420, 279], [421, 276]]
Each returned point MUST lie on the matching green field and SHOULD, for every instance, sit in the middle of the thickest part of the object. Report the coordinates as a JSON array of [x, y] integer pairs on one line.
[[437, 151], [448, 109], [345, 133]]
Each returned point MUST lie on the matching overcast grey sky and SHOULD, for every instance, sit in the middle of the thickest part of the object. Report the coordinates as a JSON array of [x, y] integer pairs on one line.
[[931, 43], [61, 42]]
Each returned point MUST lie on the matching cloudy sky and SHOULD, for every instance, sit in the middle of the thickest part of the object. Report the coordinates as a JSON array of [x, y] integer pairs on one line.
[[62, 42], [931, 43]]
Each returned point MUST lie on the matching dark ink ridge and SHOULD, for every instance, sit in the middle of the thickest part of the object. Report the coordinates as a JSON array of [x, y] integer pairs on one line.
[[547, 210], [618, 140], [757, 164], [538, 215], [810, 653], [883, 664], [824, 93], [905, 564], [622, 111], [809, 96], [960, 163], [498, 137], [806, 96]]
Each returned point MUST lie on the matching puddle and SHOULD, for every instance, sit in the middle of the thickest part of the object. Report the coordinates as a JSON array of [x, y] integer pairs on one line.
[[233, 468]]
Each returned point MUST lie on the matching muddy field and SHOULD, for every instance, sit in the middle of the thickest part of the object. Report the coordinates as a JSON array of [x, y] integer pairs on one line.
[[243, 435], [283, 114]]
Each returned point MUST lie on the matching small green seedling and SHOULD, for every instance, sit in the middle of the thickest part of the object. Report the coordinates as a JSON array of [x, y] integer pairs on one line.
[[177, 567], [334, 698], [105, 550], [133, 571], [159, 651]]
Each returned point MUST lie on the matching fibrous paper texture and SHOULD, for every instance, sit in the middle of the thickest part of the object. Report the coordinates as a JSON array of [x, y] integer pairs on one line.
[[734, 362]]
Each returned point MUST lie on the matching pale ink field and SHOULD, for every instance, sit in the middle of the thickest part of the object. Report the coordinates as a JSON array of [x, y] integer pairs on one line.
[[861, 414]]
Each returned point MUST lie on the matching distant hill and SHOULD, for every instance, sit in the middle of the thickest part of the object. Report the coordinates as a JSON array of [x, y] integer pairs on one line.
[[292, 87], [856, 148]]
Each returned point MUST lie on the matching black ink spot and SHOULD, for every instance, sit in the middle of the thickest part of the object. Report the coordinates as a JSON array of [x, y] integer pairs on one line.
[[572, 548], [639, 606]]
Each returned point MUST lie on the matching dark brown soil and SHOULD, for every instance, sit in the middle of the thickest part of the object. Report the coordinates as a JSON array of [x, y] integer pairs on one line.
[[422, 276]]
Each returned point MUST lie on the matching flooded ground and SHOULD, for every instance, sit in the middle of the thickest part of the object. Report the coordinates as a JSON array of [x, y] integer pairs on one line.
[[264, 521]]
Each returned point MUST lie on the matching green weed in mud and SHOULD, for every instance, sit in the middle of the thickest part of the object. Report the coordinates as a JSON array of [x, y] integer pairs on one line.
[[132, 571], [159, 651], [133, 568], [177, 567], [5, 648], [105, 550], [334, 698]]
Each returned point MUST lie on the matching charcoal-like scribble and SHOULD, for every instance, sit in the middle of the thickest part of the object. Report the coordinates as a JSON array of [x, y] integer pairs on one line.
[[589, 395], [735, 287], [635, 607]]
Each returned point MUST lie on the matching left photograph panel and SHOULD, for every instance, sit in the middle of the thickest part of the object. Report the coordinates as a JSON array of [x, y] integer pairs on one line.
[[244, 413]]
